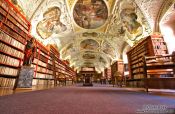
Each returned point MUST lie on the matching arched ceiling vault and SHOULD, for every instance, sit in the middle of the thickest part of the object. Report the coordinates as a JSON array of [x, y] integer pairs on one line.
[[92, 32]]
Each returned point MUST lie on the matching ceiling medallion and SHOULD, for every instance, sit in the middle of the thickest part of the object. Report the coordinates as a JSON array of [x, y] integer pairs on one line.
[[90, 14]]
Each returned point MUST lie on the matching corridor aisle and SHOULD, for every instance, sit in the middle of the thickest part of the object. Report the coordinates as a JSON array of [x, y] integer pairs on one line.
[[85, 100]]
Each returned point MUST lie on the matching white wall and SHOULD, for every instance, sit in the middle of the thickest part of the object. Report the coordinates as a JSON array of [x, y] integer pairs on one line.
[[167, 27]]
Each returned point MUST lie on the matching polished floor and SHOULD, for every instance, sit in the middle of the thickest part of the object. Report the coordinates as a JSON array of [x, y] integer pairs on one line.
[[99, 99]]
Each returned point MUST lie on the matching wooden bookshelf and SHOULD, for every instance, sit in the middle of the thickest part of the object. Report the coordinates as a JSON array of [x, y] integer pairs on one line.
[[118, 66], [14, 33], [62, 72], [54, 55], [48, 66], [159, 72], [44, 72], [117, 72], [149, 46], [108, 73], [14, 29]]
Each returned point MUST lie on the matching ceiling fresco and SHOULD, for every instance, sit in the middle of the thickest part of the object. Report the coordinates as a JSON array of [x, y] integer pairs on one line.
[[88, 56], [90, 14], [92, 33], [129, 19], [89, 44], [51, 20], [50, 23], [108, 49], [128, 22]]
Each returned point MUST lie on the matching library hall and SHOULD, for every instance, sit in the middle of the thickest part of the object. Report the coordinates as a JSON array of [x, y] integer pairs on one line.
[[87, 56]]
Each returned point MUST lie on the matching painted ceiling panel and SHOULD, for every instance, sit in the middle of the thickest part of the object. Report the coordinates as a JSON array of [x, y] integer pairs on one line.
[[91, 32], [51, 20]]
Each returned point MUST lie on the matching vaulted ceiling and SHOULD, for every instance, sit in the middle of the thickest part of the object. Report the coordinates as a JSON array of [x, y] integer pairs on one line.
[[93, 33]]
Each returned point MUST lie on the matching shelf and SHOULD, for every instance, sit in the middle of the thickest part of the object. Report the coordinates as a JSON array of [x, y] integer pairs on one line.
[[51, 64], [42, 60], [12, 35], [160, 64], [43, 54], [10, 55], [141, 55], [12, 40], [137, 67], [134, 80], [43, 72], [54, 64], [43, 78], [4, 8], [39, 65], [140, 72], [4, 12], [8, 76], [144, 47], [160, 83], [160, 73], [22, 34], [138, 51], [25, 27], [136, 62], [8, 65], [11, 45], [42, 48], [155, 65], [44, 57], [134, 47], [17, 25], [15, 13], [49, 68]]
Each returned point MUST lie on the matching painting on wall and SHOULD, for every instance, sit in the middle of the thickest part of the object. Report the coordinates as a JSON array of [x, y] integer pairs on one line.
[[90, 14], [89, 44], [88, 56], [50, 23]]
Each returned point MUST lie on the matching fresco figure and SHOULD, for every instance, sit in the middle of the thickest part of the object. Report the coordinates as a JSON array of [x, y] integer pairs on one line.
[[90, 14], [132, 25], [89, 44], [129, 18], [88, 56], [51, 23], [108, 49]]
